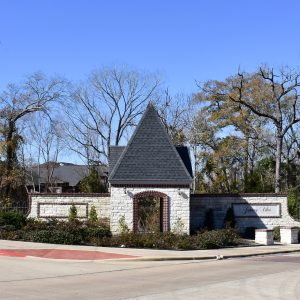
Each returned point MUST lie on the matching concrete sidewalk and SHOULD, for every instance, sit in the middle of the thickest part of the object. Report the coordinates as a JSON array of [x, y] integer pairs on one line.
[[159, 255]]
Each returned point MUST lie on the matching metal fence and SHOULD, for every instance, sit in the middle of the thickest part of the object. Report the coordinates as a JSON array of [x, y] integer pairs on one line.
[[22, 209]]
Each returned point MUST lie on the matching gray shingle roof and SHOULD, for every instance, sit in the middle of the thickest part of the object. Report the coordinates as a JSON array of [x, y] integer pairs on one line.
[[68, 173], [150, 157], [183, 151], [114, 154]]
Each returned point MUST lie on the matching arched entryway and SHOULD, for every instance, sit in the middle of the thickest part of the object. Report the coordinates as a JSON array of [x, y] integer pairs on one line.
[[150, 212]]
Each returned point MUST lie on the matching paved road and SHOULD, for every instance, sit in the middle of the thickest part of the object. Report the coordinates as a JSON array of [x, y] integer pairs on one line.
[[269, 277]]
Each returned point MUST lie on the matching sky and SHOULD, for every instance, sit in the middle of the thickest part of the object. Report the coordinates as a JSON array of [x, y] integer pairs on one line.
[[184, 41]]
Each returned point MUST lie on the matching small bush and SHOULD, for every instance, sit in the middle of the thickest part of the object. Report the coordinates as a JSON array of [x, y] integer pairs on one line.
[[92, 183], [13, 218], [90, 233], [168, 240], [276, 233], [293, 203], [77, 232], [72, 213], [93, 217], [178, 227], [51, 237], [123, 227], [216, 239]]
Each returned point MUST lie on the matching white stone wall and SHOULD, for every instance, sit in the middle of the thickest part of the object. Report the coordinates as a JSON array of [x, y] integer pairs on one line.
[[122, 205], [264, 236], [188, 209], [45, 206], [289, 235], [220, 204]]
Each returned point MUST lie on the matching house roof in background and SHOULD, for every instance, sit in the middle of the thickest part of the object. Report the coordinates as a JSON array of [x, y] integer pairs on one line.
[[62, 173], [150, 156]]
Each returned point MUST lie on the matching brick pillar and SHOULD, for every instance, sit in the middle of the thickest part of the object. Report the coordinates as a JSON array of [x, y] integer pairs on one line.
[[135, 214], [166, 215]]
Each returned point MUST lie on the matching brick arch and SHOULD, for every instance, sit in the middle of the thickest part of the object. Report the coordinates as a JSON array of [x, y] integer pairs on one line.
[[164, 200]]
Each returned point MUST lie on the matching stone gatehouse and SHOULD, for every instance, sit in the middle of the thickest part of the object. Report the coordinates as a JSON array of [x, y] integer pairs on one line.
[[150, 186]]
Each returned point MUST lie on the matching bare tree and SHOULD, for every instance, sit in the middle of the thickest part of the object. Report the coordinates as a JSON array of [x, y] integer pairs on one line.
[[46, 139], [176, 112], [17, 102], [106, 107]]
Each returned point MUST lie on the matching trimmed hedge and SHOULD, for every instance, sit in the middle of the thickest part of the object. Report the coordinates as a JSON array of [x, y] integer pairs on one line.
[[12, 218], [75, 232], [55, 232], [205, 240]]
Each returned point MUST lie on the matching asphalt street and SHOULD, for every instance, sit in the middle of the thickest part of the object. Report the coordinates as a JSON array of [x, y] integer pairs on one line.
[[263, 277]]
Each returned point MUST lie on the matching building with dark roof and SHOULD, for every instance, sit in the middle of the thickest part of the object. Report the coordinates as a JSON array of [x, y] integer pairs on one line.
[[150, 166], [150, 183], [60, 177]]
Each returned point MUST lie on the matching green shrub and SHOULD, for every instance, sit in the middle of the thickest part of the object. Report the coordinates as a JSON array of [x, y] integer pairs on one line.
[[293, 203], [216, 239], [209, 220], [77, 232], [51, 237], [34, 224], [178, 227], [276, 233], [72, 213], [123, 227], [17, 235], [168, 240], [229, 220], [92, 183], [16, 219], [93, 217], [90, 233]]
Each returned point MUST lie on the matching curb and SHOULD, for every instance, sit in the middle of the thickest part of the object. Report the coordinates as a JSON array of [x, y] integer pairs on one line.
[[212, 257]]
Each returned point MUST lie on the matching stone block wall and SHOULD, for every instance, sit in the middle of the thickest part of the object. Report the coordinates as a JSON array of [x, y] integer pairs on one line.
[[188, 209], [264, 236], [122, 205], [289, 235], [44, 206], [220, 203]]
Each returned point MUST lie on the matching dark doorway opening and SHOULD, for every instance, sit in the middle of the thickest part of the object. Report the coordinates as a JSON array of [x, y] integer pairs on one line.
[[150, 212]]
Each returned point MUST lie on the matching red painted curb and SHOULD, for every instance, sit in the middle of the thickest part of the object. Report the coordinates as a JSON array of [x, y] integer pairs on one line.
[[63, 254]]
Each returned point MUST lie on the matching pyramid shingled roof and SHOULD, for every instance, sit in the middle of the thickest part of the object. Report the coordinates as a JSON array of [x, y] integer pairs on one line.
[[150, 156]]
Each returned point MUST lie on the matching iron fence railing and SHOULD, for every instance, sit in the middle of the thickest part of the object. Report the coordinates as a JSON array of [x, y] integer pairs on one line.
[[21, 209]]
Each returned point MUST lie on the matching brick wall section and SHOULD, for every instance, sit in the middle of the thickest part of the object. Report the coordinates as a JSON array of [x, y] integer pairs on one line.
[[221, 202], [45, 206], [122, 205]]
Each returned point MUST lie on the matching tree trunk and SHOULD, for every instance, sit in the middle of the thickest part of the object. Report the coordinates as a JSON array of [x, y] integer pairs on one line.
[[279, 141], [246, 163], [10, 149], [10, 156]]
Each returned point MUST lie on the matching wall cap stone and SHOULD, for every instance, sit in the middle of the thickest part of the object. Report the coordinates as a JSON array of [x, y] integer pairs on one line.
[[289, 227], [70, 194], [217, 195]]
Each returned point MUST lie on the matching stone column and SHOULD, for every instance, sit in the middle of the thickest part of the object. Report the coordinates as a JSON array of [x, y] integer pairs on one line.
[[289, 235], [264, 236]]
